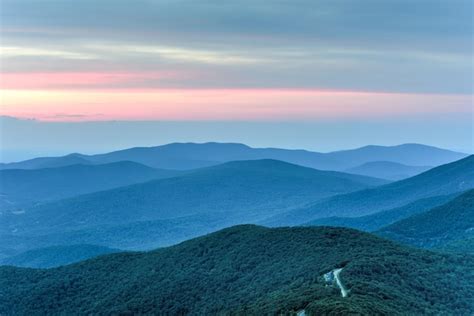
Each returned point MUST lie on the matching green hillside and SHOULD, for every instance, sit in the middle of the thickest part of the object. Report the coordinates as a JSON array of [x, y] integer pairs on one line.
[[452, 222], [251, 270]]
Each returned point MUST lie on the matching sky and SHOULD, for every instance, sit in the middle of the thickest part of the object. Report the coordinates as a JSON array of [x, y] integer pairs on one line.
[[357, 72]]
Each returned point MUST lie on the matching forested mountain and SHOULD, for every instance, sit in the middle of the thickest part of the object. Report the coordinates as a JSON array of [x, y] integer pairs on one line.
[[184, 156], [56, 256], [447, 179], [452, 222], [228, 194], [457, 246], [252, 270], [387, 170], [381, 219], [20, 187]]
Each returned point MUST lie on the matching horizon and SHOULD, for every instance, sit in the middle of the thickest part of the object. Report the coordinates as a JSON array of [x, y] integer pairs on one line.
[[89, 153], [24, 139], [320, 76]]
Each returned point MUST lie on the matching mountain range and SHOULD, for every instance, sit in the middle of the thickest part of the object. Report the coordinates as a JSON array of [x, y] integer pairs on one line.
[[83, 217], [163, 212], [227, 194], [376, 221], [447, 179], [440, 227], [387, 170], [22, 187], [185, 156]]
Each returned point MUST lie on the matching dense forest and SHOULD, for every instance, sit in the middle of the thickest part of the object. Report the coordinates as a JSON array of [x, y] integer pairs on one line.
[[251, 270]]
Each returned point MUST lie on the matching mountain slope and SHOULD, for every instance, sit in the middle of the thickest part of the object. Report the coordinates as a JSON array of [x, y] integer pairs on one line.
[[447, 179], [381, 219], [251, 270], [387, 170], [185, 156], [20, 187], [241, 192], [56, 256], [458, 246], [451, 222]]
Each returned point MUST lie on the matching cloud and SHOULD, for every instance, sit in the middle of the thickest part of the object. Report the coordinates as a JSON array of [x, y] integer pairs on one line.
[[72, 116], [12, 51], [180, 54], [201, 20], [394, 46], [84, 80]]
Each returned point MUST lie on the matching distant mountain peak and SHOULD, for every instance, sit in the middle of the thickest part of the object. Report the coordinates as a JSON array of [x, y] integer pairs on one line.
[[204, 144], [399, 146], [186, 156]]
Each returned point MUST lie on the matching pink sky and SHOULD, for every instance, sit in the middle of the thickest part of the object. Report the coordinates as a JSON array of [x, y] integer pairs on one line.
[[335, 74], [77, 80], [219, 104], [92, 61], [77, 96]]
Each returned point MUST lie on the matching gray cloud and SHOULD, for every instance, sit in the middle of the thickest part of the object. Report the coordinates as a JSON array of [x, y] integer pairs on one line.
[[409, 46]]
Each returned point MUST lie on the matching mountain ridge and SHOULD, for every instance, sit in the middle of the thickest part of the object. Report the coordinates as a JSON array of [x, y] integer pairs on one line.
[[450, 178], [376, 221], [23, 187], [184, 156], [55, 256], [388, 170], [447, 223], [230, 193]]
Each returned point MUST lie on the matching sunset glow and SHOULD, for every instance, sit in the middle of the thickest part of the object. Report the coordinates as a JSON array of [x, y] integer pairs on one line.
[[328, 64], [221, 104]]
